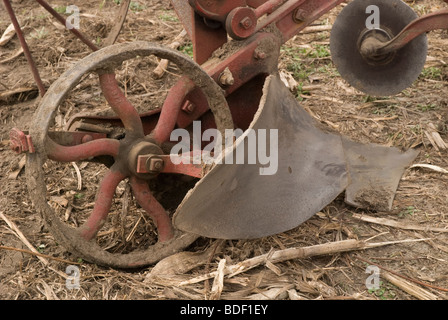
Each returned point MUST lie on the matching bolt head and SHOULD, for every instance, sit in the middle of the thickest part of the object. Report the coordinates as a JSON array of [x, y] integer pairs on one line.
[[155, 165], [246, 23], [16, 148], [300, 15], [226, 78], [87, 138], [189, 107], [260, 55]]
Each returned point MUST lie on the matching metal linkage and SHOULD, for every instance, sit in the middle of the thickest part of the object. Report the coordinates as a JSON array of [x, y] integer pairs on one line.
[[433, 21], [32, 65], [25, 47]]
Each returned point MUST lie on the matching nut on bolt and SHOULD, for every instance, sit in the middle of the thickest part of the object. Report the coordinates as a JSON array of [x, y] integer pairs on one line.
[[299, 15], [259, 54], [226, 78], [188, 107], [155, 164], [246, 23]]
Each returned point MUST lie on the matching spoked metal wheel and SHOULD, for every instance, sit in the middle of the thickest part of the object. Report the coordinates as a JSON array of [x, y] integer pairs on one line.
[[137, 156]]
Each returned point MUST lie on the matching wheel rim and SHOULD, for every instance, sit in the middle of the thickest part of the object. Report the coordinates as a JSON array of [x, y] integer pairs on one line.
[[100, 62]]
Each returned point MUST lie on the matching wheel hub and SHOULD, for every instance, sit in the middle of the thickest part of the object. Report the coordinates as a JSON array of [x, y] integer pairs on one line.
[[151, 151], [368, 41]]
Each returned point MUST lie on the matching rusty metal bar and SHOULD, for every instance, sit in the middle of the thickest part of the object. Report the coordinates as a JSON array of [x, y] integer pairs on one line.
[[189, 168], [116, 28], [21, 142], [102, 205], [83, 151], [192, 170], [433, 21], [171, 109], [295, 15], [146, 200], [120, 104], [267, 8], [62, 20], [25, 47]]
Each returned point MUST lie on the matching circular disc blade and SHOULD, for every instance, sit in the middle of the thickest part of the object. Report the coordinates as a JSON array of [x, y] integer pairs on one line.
[[376, 79]]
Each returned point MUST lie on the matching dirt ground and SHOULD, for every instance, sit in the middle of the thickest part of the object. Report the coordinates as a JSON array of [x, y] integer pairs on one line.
[[408, 270]]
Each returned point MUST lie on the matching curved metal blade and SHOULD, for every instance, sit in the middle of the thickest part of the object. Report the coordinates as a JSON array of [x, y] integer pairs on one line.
[[235, 201], [374, 173]]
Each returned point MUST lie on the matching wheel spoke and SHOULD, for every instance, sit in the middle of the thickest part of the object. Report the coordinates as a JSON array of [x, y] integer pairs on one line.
[[120, 104], [106, 147], [144, 197], [171, 108], [102, 205]]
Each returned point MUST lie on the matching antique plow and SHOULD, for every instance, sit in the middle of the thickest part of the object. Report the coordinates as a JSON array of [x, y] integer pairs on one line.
[[231, 84]]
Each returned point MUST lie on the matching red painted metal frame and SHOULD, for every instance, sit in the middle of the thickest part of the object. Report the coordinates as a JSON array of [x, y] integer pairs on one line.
[[290, 17], [206, 40], [21, 142], [253, 58], [258, 54], [189, 168], [218, 10], [171, 109]]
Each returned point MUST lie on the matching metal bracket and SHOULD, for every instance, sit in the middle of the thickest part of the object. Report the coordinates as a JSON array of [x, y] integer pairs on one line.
[[20, 142]]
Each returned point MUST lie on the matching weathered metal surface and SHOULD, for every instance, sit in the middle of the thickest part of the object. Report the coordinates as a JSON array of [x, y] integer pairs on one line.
[[171, 109], [102, 206], [153, 208], [24, 45], [20, 142], [233, 201], [84, 151], [77, 240], [147, 164], [241, 23], [216, 10], [185, 13], [119, 22], [376, 76], [285, 17], [374, 173], [121, 105], [429, 22], [206, 40]]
